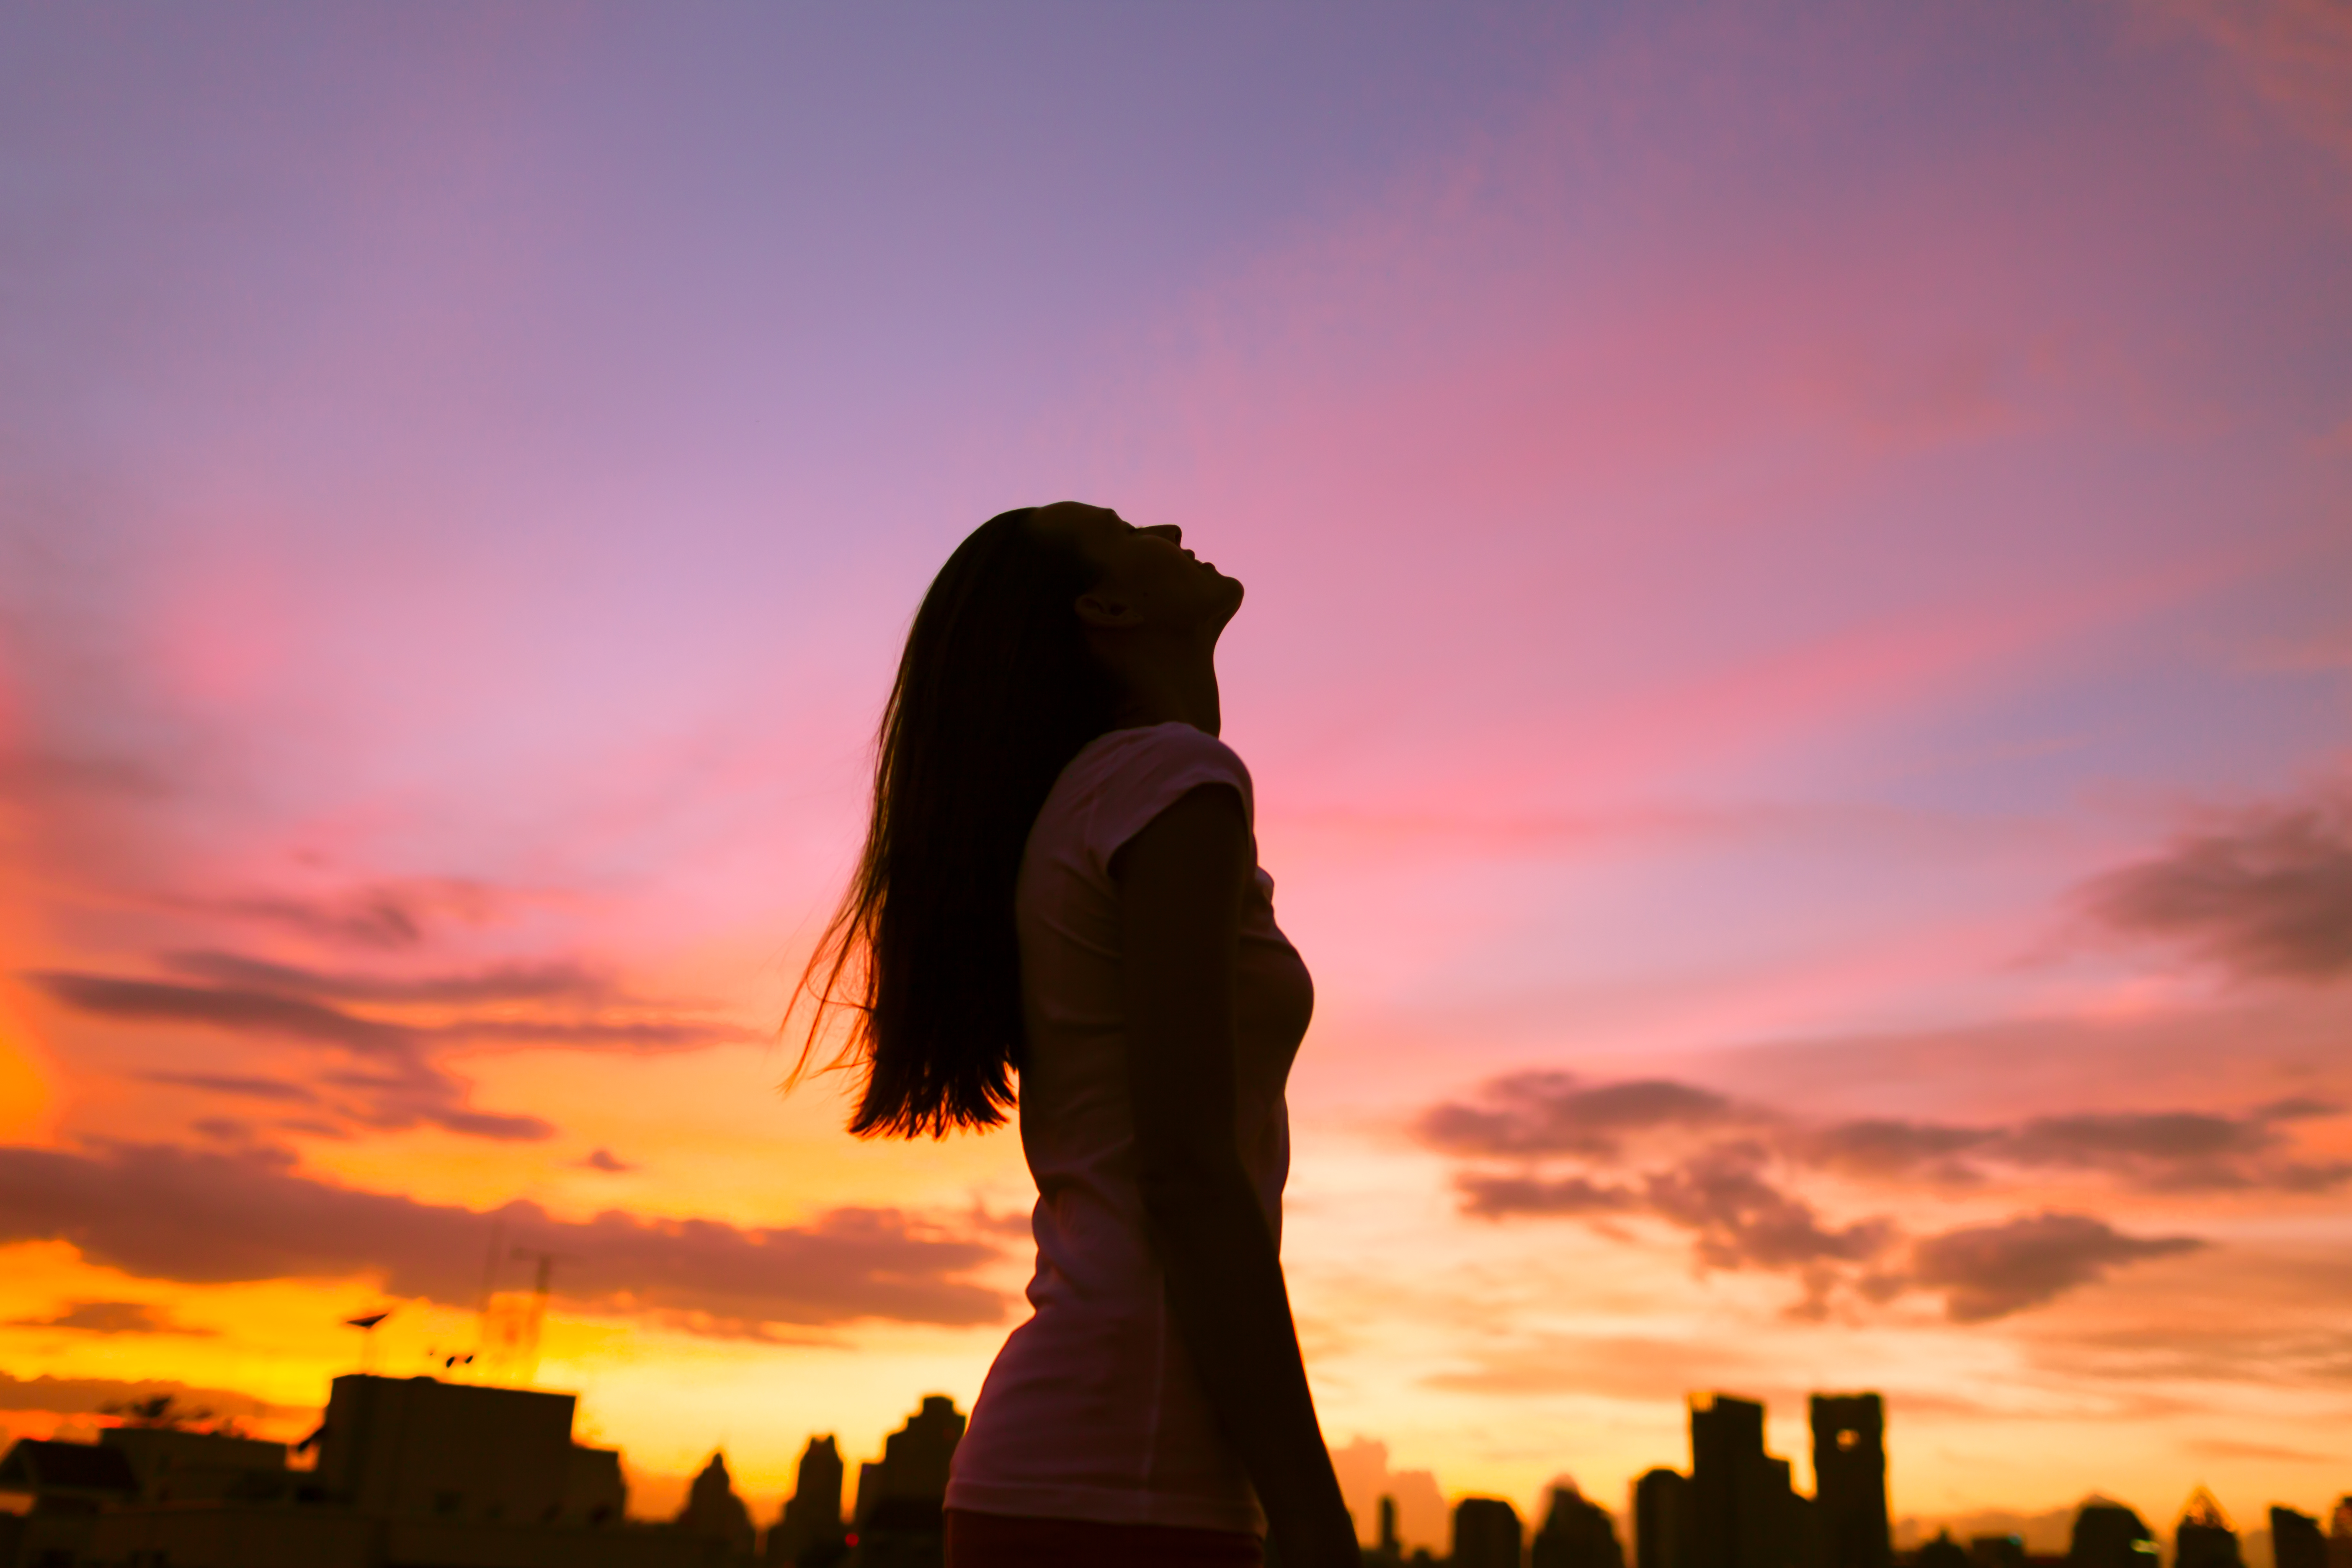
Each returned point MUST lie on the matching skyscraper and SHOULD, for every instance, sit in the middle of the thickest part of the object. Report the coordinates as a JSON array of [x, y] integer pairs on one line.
[[2109, 1535], [900, 1502], [810, 1531], [1744, 1513], [1662, 1519], [2296, 1539], [2203, 1538], [1850, 1521], [1486, 1533], [1576, 1533], [715, 1517]]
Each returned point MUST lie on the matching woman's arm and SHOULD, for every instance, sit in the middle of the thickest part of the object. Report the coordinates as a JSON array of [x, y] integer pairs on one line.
[[1181, 885]]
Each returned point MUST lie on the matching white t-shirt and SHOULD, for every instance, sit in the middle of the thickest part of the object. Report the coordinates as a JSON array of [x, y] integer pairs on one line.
[[1092, 1410]]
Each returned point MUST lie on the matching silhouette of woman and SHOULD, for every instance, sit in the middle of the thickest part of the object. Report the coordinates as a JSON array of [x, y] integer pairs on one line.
[[1060, 882]]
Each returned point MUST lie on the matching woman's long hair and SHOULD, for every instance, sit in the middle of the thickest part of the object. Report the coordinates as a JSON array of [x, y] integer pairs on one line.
[[996, 692]]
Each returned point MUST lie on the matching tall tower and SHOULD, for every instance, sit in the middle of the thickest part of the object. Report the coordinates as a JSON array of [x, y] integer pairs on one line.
[[1850, 1481], [1662, 1519], [813, 1518], [1744, 1514]]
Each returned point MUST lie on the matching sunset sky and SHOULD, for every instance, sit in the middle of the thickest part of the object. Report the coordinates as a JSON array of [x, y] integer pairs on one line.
[[1798, 670]]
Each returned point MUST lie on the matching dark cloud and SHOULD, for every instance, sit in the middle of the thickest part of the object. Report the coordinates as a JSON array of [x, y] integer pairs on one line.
[[1992, 1270], [91, 1396], [1743, 1221], [1555, 1113], [1730, 1175], [2265, 892], [112, 1317], [1529, 1117], [1493, 1196], [225, 1129], [248, 1087], [384, 915], [159, 1212], [2176, 1151], [605, 1160], [1885, 1148], [240, 1011], [506, 982], [401, 1083]]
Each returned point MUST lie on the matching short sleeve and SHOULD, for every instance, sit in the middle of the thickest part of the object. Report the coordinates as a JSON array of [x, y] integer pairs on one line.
[[1143, 773]]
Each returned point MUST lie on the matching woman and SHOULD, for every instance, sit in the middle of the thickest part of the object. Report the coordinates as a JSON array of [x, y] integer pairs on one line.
[[1059, 880]]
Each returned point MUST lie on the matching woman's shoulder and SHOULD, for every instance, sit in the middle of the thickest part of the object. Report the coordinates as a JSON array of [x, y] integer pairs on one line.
[[1124, 779], [1141, 756]]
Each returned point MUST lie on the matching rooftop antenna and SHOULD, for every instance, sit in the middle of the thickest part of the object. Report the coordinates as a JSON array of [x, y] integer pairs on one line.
[[512, 1323]]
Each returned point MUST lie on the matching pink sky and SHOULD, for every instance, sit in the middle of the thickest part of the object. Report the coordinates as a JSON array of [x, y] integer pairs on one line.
[[1796, 668]]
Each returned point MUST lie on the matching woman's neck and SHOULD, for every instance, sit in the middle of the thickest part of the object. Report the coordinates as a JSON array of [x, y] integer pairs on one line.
[[1168, 690]]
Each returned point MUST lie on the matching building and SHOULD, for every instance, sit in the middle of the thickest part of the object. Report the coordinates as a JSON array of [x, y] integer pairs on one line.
[[902, 1500], [69, 1484], [2296, 1539], [1576, 1533], [175, 1465], [1997, 1551], [714, 1519], [1850, 1521], [809, 1534], [1744, 1512], [2203, 1538], [1942, 1552], [1387, 1551], [2109, 1535], [411, 1471], [1662, 1519], [1486, 1534]]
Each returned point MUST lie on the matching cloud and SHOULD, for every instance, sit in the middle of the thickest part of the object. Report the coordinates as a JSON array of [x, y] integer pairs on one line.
[[1533, 1116], [2261, 893], [91, 1396], [1743, 1221], [2177, 1149], [248, 1087], [605, 1160], [383, 916], [2296, 55], [397, 1083], [2230, 1449], [160, 1212], [111, 1318], [1546, 1145], [1992, 1270], [248, 1011], [504, 983], [1555, 1113], [1492, 1196], [1878, 1147]]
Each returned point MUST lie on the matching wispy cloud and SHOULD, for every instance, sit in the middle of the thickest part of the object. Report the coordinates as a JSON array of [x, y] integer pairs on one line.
[[1726, 1172], [112, 1317], [90, 1395], [160, 1212], [1989, 1271], [2266, 893], [396, 1078]]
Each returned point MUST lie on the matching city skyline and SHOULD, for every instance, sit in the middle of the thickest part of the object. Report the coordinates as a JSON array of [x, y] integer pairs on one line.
[[1797, 673], [512, 1454]]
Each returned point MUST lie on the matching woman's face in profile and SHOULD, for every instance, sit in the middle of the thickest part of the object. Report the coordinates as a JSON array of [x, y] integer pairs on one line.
[[1147, 575]]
